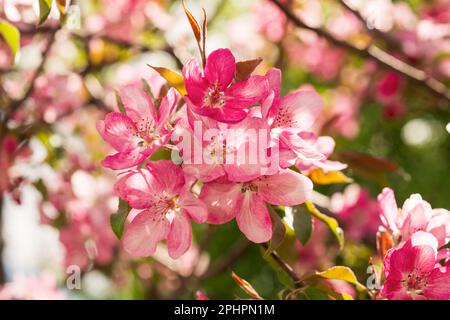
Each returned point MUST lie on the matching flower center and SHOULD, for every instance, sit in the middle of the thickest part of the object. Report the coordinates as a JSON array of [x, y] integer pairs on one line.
[[248, 186], [214, 97], [284, 119], [415, 283]]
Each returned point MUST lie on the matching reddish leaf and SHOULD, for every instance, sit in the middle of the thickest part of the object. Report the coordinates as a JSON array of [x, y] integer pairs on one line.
[[245, 68], [247, 287], [194, 24]]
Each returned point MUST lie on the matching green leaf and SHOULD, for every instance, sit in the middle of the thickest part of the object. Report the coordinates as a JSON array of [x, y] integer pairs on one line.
[[11, 35], [117, 220], [329, 221], [445, 246], [44, 10], [278, 231], [302, 223]]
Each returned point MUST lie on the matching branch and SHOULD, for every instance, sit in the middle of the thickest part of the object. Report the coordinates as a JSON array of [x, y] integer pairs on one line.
[[374, 53], [233, 255], [45, 54], [287, 268], [386, 37]]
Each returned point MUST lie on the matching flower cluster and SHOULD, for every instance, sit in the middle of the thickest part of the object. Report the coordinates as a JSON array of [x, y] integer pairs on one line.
[[417, 267], [237, 139]]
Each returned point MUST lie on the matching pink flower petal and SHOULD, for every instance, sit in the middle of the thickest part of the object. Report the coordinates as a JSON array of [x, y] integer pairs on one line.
[[138, 106], [138, 188], [299, 110], [194, 207], [221, 199], [124, 160], [253, 218], [287, 188], [196, 85], [220, 68], [180, 235], [388, 209], [168, 175], [144, 232], [118, 130], [438, 285], [245, 93]]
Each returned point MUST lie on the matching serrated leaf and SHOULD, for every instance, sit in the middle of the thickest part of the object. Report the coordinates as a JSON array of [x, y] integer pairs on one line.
[[117, 220], [45, 7], [278, 231], [174, 79], [329, 221], [302, 223], [194, 24], [318, 176], [11, 35], [245, 68], [246, 286]]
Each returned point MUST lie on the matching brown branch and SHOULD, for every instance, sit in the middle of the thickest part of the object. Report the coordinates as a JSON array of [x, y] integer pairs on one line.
[[386, 37], [374, 53], [233, 255], [14, 104], [286, 268]]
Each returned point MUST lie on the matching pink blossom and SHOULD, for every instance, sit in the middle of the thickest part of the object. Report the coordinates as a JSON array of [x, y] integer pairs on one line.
[[201, 296], [247, 201], [211, 149], [413, 272], [358, 212], [42, 287], [212, 92], [323, 145], [415, 215], [165, 207], [273, 26], [289, 118], [139, 132]]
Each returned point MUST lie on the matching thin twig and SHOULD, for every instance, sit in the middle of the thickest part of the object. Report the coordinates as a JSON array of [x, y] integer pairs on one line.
[[386, 37], [287, 268], [226, 262], [29, 90], [372, 52]]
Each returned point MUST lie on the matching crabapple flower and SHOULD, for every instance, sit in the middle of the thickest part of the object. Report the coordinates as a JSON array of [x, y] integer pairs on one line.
[[247, 201], [165, 209], [357, 210], [415, 215], [141, 131], [289, 117], [323, 145], [413, 272], [40, 287], [212, 92], [210, 149]]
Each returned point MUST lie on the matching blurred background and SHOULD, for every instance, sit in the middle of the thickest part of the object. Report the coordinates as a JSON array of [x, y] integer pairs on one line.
[[56, 199]]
